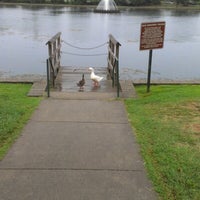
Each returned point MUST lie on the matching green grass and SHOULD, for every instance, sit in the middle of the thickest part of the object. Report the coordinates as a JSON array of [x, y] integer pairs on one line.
[[15, 109], [166, 123]]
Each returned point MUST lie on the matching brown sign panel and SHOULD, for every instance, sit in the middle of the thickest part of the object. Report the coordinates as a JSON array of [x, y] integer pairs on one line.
[[152, 35]]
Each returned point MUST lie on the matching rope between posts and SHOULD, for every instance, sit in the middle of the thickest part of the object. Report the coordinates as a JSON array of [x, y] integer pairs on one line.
[[85, 48], [76, 54]]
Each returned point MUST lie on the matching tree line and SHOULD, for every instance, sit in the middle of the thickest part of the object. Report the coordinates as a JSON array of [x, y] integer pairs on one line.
[[95, 2]]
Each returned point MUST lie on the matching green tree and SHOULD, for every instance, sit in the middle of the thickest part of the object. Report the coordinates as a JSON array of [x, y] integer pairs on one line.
[[182, 2]]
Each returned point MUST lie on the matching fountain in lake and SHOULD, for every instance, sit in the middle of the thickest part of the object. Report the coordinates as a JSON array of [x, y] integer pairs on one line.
[[107, 6]]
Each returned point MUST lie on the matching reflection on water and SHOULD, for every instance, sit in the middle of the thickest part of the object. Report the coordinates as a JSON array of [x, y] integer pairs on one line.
[[24, 31]]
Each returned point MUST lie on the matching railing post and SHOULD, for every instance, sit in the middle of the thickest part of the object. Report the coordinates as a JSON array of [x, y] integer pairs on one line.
[[52, 72], [117, 74], [113, 75], [48, 86]]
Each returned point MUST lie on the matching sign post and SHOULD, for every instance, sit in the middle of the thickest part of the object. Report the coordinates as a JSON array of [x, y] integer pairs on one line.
[[151, 37], [149, 70]]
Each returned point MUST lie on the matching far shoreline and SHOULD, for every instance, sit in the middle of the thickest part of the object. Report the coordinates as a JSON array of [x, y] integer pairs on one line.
[[162, 6]]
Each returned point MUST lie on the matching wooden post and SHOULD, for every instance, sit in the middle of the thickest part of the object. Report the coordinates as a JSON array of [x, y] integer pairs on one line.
[[113, 61], [54, 46]]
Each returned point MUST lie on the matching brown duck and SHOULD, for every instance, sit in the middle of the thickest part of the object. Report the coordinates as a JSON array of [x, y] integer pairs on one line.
[[81, 83]]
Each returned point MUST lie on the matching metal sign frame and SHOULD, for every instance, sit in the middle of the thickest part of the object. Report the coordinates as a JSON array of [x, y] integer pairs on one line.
[[152, 35]]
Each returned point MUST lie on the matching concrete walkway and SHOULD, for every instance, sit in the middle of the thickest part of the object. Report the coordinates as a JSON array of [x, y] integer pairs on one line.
[[75, 150]]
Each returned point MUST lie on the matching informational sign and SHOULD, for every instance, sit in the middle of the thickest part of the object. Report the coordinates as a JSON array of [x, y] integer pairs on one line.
[[152, 35]]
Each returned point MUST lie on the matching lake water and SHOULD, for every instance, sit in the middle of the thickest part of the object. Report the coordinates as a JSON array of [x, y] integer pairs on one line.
[[24, 31]]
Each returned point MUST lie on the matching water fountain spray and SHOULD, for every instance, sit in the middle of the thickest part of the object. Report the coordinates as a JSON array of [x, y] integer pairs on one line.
[[107, 6]]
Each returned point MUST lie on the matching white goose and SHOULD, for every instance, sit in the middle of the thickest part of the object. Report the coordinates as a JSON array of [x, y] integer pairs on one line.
[[96, 79]]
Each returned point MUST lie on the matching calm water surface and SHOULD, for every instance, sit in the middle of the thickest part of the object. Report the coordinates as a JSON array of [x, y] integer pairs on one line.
[[25, 30]]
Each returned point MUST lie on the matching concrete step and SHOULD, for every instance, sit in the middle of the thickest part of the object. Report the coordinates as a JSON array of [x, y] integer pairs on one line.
[[37, 89]]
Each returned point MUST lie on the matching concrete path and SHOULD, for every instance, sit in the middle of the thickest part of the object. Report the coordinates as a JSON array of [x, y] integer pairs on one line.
[[76, 150]]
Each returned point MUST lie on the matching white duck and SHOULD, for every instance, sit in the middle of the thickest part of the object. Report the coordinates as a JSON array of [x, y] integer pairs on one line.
[[96, 79]]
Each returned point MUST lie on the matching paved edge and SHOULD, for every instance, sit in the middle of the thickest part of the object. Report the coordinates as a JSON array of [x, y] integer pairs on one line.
[[127, 89], [38, 83]]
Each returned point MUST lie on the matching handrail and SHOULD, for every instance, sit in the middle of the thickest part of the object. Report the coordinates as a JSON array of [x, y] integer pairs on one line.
[[113, 61], [54, 38], [54, 50], [113, 40]]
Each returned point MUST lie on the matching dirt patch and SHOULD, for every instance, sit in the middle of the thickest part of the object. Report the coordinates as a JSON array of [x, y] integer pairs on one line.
[[193, 124], [196, 128], [195, 109], [194, 106]]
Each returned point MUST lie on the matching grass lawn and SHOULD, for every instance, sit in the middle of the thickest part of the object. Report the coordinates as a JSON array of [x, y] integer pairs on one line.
[[15, 109], [167, 126]]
